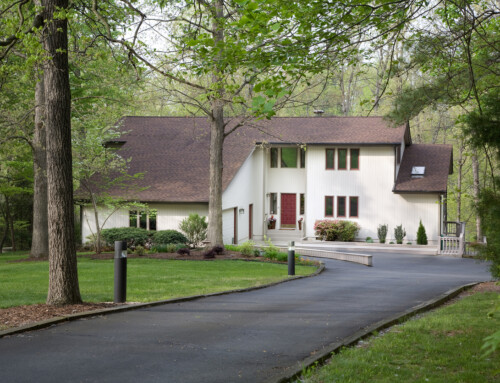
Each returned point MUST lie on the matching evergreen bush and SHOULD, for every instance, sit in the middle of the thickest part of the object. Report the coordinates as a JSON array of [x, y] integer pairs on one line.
[[336, 230], [169, 236], [134, 236], [382, 232], [399, 234], [421, 235]]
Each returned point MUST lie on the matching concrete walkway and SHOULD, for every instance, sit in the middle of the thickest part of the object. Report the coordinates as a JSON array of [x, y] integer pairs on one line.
[[256, 336]]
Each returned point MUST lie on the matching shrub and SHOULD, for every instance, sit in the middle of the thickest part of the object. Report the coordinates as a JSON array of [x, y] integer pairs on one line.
[[139, 250], [209, 254], [382, 232], [333, 230], [421, 235], [271, 251], [369, 240], [232, 247], [218, 249], [195, 228], [247, 248], [399, 234], [282, 257], [169, 236], [184, 251], [134, 236]]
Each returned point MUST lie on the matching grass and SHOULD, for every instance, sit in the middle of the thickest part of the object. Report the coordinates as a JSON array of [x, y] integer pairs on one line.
[[441, 346], [148, 280]]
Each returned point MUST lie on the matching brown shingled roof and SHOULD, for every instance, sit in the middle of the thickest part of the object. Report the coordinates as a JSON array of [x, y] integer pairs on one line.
[[173, 152], [437, 160]]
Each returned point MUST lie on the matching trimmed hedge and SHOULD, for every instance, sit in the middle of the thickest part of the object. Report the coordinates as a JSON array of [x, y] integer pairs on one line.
[[134, 236], [336, 230], [168, 236]]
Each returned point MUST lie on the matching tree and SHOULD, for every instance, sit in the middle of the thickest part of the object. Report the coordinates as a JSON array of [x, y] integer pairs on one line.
[[63, 275]]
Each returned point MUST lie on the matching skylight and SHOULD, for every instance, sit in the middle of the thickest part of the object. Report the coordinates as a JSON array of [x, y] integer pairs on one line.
[[417, 171]]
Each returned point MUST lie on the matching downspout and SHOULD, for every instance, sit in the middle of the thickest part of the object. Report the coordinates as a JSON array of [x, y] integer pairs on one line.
[[264, 189]]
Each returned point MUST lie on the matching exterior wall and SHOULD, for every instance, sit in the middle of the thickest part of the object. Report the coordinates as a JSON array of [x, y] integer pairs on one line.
[[119, 218], [168, 217], [245, 188], [372, 184]]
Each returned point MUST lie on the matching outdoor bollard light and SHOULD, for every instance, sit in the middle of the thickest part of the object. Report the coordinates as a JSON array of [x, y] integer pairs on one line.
[[120, 272], [291, 258]]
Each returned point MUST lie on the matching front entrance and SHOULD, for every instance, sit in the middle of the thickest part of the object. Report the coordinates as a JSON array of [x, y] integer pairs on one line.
[[288, 210]]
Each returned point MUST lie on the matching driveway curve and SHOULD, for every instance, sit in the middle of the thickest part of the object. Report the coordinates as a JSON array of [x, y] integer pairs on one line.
[[255, 336]]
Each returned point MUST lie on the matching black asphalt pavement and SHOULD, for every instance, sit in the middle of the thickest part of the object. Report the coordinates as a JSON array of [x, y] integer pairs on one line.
[[256, 336]]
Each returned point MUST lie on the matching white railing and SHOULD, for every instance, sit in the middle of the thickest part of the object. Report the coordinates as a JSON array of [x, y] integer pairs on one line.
[[452, 245]]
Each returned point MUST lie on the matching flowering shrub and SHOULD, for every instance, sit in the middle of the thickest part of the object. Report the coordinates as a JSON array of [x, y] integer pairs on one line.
[[336, 230]]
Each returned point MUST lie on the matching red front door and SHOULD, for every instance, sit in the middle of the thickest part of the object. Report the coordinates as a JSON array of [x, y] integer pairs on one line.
[[288, 210]]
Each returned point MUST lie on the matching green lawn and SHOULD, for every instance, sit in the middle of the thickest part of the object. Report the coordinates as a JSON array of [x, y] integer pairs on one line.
[[147, 279], [441, 346]]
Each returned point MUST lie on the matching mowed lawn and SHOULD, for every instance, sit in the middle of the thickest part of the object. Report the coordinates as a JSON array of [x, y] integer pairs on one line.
[[23, 283], [441, 346]]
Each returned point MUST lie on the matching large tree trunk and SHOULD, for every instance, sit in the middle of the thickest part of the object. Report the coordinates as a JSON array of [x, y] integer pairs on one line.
[[63, 276], [214, 234], [40, 235]]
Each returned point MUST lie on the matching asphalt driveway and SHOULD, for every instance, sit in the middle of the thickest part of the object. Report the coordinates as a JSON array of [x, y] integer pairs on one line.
[[256, 336]]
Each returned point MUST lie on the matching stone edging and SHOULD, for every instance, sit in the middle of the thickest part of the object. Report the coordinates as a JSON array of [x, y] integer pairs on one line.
[[113, 310], [328, 352]]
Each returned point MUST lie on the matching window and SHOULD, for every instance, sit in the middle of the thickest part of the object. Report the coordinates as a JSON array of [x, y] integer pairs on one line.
[[353, 206], [330, 155], [342, 164], [340, 206], [329, 206], [302, 158], [302, 204], [417, 171], [354, 159], [288, 157], [398, 154], [142, 219], [274, 157], [273, 203]]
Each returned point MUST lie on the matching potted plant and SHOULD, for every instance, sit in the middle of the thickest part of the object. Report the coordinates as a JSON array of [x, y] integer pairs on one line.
[[300, 222], [271, 223]]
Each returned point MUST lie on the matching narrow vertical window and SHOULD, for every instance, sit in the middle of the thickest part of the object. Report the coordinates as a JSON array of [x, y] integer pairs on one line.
[[353, 207], [133, 221], [329, 206], [330, 162], [342, 164], [274, 157], [354, 159], [152, 218], [398, 154], [273, 203], [302, 158], [340, 206], [302, 204], [288, 157]]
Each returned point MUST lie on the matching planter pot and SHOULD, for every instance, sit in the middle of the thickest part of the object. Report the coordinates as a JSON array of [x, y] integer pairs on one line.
[[271, 225], [300, 225]]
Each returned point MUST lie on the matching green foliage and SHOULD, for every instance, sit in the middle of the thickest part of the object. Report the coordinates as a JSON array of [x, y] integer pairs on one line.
[[247, 248], [369, 240], [489, 209], [132, 235], [399, 234], [140, 250], [195, 228], [336, 230], [382, 232], [421, 235], [271, 251], [169, 237]]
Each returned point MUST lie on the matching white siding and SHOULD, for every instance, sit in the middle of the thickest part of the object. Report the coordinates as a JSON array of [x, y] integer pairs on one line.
[[373, 185], [228, 226], [168, 217], [245, 188], [119, 218]]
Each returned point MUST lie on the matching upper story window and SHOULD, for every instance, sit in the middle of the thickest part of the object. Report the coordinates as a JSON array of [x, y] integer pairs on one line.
[[330, 159], [398, 155], [354, 159], [342, 161], [302, 158], [288, 157]]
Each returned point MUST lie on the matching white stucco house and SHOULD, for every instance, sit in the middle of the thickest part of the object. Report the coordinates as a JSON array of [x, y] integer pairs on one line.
[[294, 169]]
